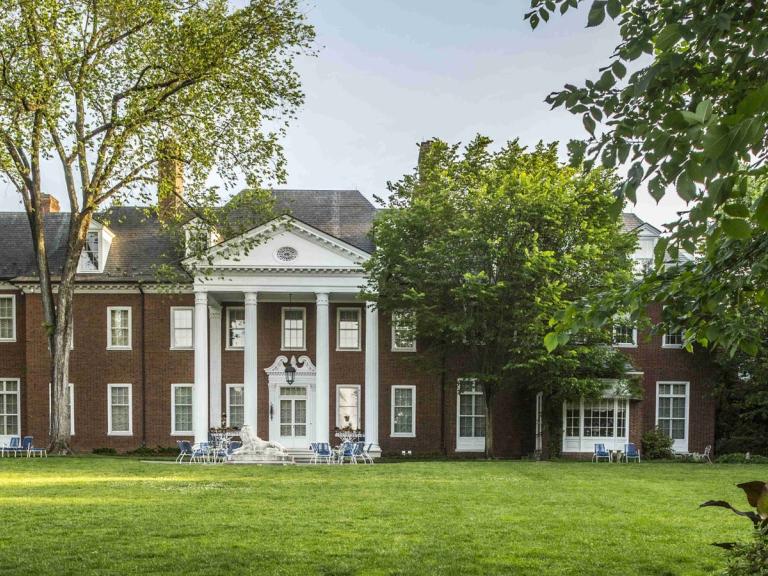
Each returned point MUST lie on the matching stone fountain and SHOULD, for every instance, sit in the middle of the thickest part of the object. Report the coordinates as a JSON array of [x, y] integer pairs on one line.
[[257, 451]]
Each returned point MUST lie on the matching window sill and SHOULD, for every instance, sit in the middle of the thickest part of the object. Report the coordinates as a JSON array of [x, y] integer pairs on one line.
[[349, 349], [403, 349], [293, 349], [191, 348], [190, 433], [119, 348], [8, 340], [119, 433], [672, 346], [402, 435], [624, 345], [475, 450], [233, 349]]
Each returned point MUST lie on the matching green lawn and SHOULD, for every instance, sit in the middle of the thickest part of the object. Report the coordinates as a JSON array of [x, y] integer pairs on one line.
[[123, 516]]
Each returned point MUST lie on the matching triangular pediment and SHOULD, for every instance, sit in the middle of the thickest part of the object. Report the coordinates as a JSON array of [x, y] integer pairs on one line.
[[286, 243]]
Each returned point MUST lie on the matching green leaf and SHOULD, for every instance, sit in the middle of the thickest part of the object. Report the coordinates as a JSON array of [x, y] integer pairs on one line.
[[737, 228], [736, 210], [668, 37], [619, 69], [761, 212], [686, 189], [704, 111], [550, 341], [614, 8], [589, 124], [754, 102], [656, 189], [596, 13]]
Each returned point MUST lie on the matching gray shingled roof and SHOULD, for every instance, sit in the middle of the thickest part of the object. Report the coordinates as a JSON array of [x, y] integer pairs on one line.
[[140, 245]]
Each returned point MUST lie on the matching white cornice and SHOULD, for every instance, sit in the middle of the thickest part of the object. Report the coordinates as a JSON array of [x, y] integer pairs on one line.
[[116, 288]]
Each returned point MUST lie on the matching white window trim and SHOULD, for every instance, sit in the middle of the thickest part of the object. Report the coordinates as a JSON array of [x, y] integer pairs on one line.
[[683, 444], [359, 329], [412, 433], [173, 328], [339, 423], [395, 347], [111, 432], [12, 298], [111, 346], [228, 326], [468, 443], [71, 406], [228, 404], [633, 344], [664, 343], [175, 432], [18, 403], [303, 330]]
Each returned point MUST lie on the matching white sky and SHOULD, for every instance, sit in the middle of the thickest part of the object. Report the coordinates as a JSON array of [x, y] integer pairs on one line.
[[391, 74]]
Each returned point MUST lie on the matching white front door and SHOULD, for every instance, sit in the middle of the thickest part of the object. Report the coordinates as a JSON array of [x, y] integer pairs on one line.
[[292, 414], [672, 412]]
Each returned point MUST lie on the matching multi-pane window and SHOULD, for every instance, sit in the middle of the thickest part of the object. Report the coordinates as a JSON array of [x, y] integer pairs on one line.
[[603, 418], [8, 318], [671, 409], [235, 328], [119, 327], [9, 407], [181, 408], [348, 329], [89, 257], [348, 407], [673, 339], [120, 412], [235, 405], [403, 336], [471, 410], [403, 410], [293, 411], [573, 418], [294, 334], [624, 333], [182, 319]]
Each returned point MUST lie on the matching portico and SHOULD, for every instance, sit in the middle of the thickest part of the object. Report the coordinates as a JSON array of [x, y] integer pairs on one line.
[[291, 263]]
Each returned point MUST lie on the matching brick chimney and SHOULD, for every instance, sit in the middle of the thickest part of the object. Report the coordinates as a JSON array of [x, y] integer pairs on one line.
[[49, 204], [170, 180]]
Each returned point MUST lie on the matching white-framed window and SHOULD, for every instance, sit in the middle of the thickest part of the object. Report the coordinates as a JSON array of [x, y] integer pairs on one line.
[[348, 329], [672, 402], [10, 407], [403, 337], [89, 257], [182, 327], [672, 338], [294, 333], [235, 405], [602, 420], [624, 333], [8, 318], [181, 409], [119, 328], [403, 411], [470, 416], [70, 406], [120, 410], [235, 327], [348, 406]]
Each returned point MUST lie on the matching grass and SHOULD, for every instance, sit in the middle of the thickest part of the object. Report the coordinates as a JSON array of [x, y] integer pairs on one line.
[[98, 515]]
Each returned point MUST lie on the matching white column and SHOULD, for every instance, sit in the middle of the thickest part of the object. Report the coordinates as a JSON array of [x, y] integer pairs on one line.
[[214, 322], [250, 368], [372, 376], [322, 365], [200, 397]]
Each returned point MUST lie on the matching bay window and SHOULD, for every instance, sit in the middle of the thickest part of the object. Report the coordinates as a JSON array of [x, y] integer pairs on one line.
[[587, 422]]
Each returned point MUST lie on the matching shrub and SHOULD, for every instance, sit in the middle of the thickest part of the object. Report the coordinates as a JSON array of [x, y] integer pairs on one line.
[[656, 444], [739, 458], [105, 451], [157, 451], [749, 559], [756, 444]]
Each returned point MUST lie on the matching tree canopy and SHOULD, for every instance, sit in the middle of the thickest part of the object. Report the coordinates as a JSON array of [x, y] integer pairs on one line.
[[683, 103], [482, 247]]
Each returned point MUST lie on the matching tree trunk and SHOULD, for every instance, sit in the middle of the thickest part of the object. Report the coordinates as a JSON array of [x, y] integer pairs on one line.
[[488, 425]]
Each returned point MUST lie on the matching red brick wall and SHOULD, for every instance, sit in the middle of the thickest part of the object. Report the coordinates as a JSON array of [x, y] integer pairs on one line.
[[13, 354]]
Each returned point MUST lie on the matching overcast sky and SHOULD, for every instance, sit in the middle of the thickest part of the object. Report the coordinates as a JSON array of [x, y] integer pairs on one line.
[[391, 74]]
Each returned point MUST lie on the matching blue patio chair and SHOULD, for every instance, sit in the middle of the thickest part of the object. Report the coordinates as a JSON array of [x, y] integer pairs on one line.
[[347, 450], [32, 451], [26, 444], [233, 446], [14, 445], [601, 452], [631, 452], [185, 449], [200, 452], [367, 454], [359, 453], [322, 452]]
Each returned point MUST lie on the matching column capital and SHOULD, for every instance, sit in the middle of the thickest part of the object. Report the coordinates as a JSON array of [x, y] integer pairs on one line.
[[251, 298], [201, 298], [322, 298], [214, 312]]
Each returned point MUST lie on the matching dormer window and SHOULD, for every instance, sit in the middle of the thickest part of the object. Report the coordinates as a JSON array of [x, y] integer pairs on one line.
[[95, 250], [89, 257]]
